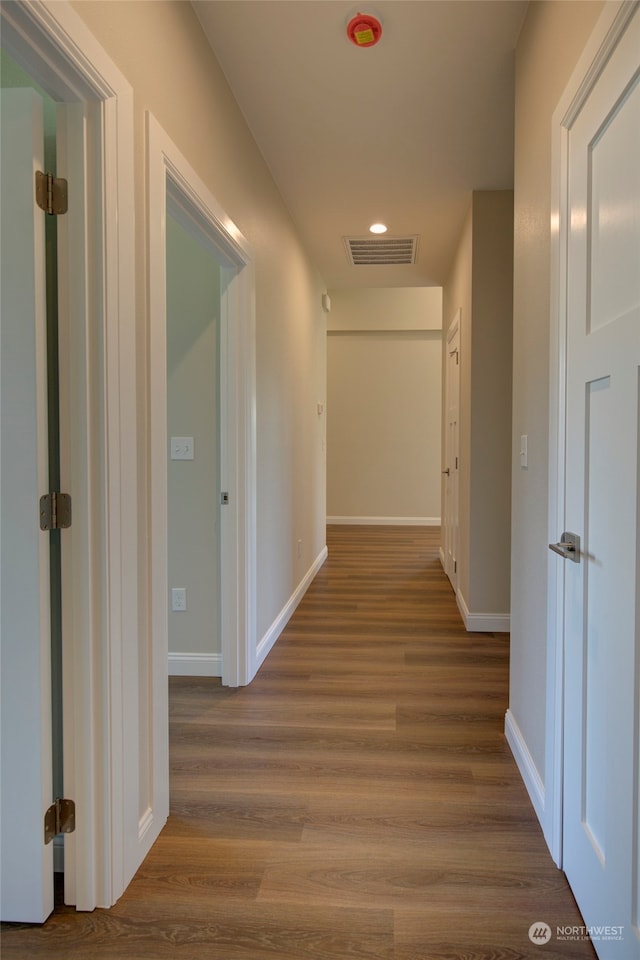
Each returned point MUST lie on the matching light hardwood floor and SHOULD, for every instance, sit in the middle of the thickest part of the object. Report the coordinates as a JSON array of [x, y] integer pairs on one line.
[[357, 801]]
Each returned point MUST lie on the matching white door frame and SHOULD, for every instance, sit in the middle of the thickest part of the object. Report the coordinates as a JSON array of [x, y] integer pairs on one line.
[[597, 52], [100, 598], [169, 174]]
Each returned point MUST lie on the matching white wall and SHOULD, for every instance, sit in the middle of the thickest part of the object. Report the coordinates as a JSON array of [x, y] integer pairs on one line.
[[480, 286], [193, 314], [162, 51], [383, 405], [552, 38]]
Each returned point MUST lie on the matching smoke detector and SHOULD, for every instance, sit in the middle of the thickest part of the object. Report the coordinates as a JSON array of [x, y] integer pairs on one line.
[[364, 30]]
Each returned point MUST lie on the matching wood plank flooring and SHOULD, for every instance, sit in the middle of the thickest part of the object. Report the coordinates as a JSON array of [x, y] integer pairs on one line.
[[357, 802]]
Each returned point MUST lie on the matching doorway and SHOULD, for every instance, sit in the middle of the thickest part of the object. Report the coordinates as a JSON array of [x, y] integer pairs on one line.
[[179, 197], [193, 487]]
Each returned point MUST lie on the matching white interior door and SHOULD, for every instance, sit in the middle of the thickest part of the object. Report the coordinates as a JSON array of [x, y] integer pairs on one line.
[[25, 642], [451, 465], [601, 824]]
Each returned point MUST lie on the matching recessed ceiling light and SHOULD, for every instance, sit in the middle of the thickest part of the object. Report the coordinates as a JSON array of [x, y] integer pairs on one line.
[[377, 228]]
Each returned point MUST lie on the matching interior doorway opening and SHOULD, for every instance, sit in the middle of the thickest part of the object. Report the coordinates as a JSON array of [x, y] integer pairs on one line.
[[193, 426], [179, 197]]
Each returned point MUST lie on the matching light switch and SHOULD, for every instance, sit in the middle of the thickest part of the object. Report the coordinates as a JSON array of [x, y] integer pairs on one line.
[[182, 448], [523, 450]]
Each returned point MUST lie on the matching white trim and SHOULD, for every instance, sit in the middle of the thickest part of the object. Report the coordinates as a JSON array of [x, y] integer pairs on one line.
[[288, 610], [170, 175], [597, 51], [442, 558], [482, 622], [195, 664], [101, 627], [386, 521], [526, 766]]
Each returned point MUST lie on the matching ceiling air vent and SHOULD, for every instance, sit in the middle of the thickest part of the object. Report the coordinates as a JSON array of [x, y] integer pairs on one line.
[[378, 251]]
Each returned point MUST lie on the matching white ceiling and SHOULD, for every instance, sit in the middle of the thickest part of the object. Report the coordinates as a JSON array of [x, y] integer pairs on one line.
[[401, 132]]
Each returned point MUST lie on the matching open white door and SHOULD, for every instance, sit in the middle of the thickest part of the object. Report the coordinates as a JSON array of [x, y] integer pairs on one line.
[[601, 822], [25, 641], [109, 740]]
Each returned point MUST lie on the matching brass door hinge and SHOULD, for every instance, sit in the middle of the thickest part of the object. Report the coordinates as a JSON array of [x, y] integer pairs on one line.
[[55, 511], [59, 818], [51, 193]]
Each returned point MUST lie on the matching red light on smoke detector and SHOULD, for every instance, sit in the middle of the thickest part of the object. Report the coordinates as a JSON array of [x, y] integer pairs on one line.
[[364, 30]]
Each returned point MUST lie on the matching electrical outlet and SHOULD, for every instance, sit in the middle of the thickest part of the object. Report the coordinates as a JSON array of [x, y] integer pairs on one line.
[[178, 599]]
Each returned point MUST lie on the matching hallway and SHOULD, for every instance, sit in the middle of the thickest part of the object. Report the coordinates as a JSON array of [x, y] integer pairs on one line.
[[358, 800]]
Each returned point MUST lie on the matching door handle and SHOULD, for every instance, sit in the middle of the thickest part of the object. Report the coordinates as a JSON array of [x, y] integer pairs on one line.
[[447, 471], [568, 548]]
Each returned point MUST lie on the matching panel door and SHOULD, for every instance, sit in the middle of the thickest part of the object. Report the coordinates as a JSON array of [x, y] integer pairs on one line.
[[25, 642], [600, 817]]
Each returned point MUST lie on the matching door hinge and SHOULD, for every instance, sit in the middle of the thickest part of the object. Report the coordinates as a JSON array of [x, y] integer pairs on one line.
[[224, 498], [455, 566], [59, 818], [55, 511], [51, 193]]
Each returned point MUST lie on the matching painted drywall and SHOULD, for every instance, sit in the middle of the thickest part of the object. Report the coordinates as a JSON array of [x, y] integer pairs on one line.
[[491, 387], [549, 46], [386, 308], [174, 74], [193, 315], [384, 404], [456, 295], [480, 286]]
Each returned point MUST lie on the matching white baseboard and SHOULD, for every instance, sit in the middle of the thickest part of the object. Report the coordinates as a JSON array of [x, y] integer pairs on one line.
[[526, 766], [287, 611], [483, 622], [195, 664], [441, 554], [386, 521]]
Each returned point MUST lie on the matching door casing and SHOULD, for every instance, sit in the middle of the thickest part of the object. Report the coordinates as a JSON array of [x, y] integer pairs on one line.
[[171, 178]]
